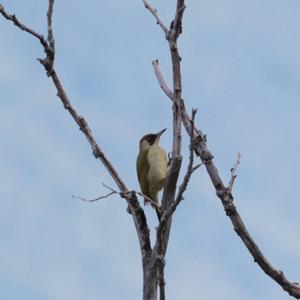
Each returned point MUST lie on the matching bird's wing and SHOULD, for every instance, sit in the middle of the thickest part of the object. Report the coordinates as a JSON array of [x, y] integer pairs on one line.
[[142, 169]]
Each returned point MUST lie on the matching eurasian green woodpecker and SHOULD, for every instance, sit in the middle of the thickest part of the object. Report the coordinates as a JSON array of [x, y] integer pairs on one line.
[[151, 166]]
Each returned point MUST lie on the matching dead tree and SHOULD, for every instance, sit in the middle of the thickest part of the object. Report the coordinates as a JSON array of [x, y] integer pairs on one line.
[[153, 256]]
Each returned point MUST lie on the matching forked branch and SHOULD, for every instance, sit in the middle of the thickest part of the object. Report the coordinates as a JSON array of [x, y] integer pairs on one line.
[[163, 231], [224, 193], [182, 188], [190, 169], [157, 18], [176, 159], [233, 172], [23, 27]]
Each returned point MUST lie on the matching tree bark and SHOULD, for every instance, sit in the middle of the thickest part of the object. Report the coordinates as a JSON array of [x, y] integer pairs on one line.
[[150, 282]]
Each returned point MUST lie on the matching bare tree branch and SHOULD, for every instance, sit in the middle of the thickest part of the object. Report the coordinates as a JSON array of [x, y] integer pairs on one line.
[[112, 192], [95, 199], [23, 27], [199, 143], [190, 169], [182, 188], [140, 223], [173, 34], [175, 164], [227, 200], [137, 212], [161, 278], [225, 194], [84, 127], [156, 16], [149, 200], [233, 172], [162, 236], [161, 79], [177, 22], [49, 22]]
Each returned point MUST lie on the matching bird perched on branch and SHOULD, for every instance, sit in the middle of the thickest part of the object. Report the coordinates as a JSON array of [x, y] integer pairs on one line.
[[151, 166]]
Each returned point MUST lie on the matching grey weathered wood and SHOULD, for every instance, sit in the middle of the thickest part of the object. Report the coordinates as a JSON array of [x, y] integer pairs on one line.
[[169, 194], [153, 259], [226, 197], [136, 210]]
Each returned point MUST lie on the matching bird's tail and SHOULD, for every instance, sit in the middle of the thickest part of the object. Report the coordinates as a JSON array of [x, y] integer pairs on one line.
[[158, 213], [157, 209]]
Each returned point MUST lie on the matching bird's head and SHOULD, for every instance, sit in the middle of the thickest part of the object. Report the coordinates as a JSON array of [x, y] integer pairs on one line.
[[150, 139]]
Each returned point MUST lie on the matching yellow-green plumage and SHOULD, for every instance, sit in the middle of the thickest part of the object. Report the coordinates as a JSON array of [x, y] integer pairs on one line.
[[142, 168], [151, 166], [152, 170], [157, 159]]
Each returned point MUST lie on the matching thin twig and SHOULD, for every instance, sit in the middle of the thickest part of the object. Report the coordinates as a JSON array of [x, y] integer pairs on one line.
[[233, 172], [109, 187], [112, 192], [96, 199], [165, 88], [149, 199], [191, 168], [156, 16], [23, 27], [161, 79]]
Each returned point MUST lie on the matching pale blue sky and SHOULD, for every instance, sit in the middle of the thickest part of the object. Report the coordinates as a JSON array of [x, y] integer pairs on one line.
[[240, 69]]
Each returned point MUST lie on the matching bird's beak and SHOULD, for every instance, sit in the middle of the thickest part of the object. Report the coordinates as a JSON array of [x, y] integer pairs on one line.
[[161, 132]]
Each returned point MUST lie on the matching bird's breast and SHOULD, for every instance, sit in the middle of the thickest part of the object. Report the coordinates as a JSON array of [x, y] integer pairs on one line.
[[158, 165]]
